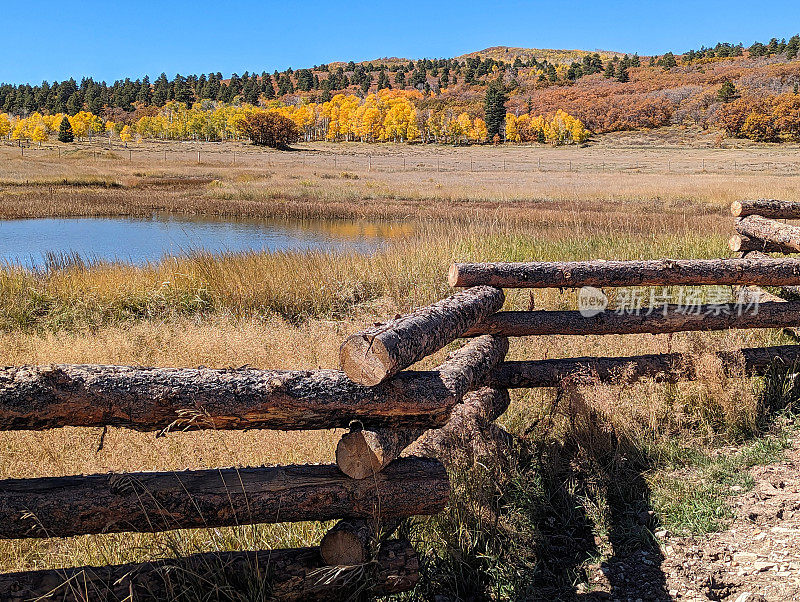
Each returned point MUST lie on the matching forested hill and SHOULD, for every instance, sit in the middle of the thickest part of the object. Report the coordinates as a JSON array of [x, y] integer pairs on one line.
[[713, 86]]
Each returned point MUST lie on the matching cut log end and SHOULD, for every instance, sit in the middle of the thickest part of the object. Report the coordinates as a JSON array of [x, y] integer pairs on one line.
[[735, 242], [364, 361], [363, 453], [452, 275], [355, 457], [736, 209], [343, 548]]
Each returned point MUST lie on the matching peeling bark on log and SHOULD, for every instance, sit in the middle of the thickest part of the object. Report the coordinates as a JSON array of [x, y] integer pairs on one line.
[[766, 208], [152, 399], [744, 244], [755, 226], [663, 367], [363, 452], [161, 501], [374, 355], [664, 319], [354, 541], [289, 575], [470, 433], [661, 272]]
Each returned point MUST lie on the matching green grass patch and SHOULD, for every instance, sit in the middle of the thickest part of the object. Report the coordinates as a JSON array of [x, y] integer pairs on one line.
[[695, 500]]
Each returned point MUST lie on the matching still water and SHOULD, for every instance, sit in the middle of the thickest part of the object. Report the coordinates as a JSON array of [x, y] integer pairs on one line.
[[29, 242]]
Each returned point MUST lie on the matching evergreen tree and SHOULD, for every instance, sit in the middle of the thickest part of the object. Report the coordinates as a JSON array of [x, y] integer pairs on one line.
[[622, 73], [145, 95], [266, 85], [610, 71], [65, 131], [495, 108], [668, 61], [161, 91], [383, 80], [792, 47], [727, 92]]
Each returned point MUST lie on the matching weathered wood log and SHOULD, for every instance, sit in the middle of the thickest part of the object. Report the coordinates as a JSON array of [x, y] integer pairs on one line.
[[470, 433], [787, 293], [662, 367], [151, 399], [160, 501], [377, 353], [668, 318], [363, 452], [354, 541], [289, 575], [743, 244], [766, 208], [784, 235], [661, 272]]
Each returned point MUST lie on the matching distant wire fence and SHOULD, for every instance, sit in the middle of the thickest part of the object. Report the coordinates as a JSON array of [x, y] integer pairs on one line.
[[538, 161]]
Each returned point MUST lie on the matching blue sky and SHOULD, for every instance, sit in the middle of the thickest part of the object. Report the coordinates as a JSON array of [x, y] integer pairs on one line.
[[109, 40]]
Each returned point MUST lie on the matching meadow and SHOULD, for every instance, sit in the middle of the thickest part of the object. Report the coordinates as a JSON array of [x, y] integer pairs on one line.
[[596, 459]]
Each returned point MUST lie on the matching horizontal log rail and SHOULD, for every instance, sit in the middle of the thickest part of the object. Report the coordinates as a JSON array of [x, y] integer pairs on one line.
[[663, 367], [153, 399], [660, 272], [377, 353], [161, 501], [768, 230], [290, 575], [766, 208], [743, 244], [664, 319]]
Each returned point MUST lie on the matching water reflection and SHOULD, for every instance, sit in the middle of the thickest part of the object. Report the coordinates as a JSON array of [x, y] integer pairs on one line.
[[29, 242]]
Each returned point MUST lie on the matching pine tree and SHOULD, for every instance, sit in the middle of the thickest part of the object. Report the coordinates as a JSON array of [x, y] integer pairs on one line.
[[622, 73], [65, 131], [668, 61], [792, 47], [495, 108], [727, 92]]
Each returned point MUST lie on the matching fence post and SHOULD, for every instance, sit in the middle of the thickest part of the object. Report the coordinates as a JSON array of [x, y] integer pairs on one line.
[[130, 155], [198, 157]]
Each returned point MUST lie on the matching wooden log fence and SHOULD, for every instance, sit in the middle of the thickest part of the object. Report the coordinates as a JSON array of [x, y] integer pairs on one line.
[[770, 208], [771, 232], [377, 353], [660, 272], [295, 575], [406, 427], [662, 319]]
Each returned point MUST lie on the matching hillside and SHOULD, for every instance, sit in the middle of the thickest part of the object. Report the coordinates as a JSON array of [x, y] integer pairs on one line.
[[510, 54], [749, 93]]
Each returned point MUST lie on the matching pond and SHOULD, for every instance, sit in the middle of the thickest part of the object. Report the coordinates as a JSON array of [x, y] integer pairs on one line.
[[33, 242]]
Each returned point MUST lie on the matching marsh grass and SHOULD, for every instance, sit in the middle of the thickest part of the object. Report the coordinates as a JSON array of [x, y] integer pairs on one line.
[[590, 460]]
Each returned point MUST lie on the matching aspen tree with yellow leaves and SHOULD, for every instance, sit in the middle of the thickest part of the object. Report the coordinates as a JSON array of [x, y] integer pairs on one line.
[[39, 134], [5, 125], [125, 134]]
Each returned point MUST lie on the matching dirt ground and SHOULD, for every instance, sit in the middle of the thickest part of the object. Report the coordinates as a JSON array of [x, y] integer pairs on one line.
[[757, 559]]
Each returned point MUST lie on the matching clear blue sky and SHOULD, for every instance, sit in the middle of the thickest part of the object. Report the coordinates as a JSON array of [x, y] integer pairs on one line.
[[109, 40]]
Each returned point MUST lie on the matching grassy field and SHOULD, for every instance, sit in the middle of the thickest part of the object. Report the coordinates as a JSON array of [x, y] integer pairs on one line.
[[597, 457]]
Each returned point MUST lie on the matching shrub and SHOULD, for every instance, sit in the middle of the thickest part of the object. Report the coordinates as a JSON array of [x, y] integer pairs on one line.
[[267, 128]]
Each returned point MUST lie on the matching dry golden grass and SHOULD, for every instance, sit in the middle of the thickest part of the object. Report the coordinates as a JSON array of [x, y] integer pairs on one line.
[[292, 310]]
